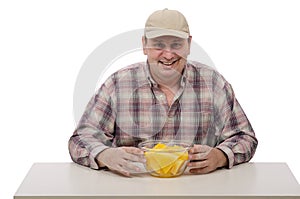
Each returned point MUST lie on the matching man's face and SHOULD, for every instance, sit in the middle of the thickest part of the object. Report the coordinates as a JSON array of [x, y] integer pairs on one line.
[[166, 54]]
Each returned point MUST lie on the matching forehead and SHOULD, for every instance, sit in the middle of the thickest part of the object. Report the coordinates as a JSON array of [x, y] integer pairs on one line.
[[167, 39]]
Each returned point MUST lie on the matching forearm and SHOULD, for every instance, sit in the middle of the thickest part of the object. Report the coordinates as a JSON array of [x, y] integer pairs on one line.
[[239, 148], [85, 145], [94, 132], [84, 150], [236, 137]]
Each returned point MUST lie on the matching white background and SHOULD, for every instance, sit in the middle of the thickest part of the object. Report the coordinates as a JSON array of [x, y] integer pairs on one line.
[[43, 44]]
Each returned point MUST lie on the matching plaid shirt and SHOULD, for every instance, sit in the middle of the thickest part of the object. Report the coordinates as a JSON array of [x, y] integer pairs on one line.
[[130, 108]]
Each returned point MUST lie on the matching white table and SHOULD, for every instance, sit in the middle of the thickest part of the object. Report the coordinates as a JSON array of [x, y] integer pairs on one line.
[[69, 180]]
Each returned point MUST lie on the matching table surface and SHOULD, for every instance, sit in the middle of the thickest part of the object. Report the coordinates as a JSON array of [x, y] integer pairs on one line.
[[69, 180]]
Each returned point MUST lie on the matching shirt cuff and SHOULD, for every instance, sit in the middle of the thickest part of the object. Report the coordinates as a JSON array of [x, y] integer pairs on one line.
[[229, 154], [93, 155]]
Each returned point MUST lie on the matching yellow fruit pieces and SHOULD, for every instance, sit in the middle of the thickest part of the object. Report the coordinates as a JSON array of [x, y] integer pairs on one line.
[[166, 161]]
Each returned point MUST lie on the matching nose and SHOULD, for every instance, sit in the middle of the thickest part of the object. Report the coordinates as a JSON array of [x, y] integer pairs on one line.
[[168, 54]]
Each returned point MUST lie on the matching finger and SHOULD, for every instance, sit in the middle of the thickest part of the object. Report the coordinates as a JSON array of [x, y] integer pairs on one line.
[[200, 170], [132, 167], [197, 157], [200, 149], [198, 164], [202, 155], [134, 158], [133, 150], [120, 170], [200, 167], [133, 154]]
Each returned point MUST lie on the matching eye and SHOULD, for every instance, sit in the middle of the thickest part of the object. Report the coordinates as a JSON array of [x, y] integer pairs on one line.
[[176, 45], [159, 45]]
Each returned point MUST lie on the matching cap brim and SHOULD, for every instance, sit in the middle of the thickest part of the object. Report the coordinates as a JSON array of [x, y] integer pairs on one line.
[[151, 32]]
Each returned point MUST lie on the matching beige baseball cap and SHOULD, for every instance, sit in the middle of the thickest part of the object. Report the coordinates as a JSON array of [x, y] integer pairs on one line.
[[167, 22]]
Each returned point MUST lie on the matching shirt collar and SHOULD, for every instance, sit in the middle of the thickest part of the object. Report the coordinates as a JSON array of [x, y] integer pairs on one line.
[[152, 82]]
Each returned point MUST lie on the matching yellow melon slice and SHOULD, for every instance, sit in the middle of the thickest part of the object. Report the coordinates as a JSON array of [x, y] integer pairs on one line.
[[165, 160]]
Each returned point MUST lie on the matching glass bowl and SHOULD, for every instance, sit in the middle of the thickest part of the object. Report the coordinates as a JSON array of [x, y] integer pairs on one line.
[[165, 159]]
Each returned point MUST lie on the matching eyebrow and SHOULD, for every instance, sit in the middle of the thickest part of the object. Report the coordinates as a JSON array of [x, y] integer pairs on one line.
[[156, 40], [176, 40], [160, 40]]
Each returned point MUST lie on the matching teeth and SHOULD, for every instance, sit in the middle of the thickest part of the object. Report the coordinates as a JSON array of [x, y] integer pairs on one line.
[[168, 63]]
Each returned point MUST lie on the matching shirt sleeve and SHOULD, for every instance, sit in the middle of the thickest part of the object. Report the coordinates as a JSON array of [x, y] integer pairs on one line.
[[94, 132], [236, 137]]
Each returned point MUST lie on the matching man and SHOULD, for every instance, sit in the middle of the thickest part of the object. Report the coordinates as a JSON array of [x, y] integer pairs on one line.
[[165, 98]]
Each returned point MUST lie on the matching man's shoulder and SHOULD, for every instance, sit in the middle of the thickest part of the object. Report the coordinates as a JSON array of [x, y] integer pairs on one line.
[[133, 67], [130, 73], [125, 76], [201, 67], [197, 70]]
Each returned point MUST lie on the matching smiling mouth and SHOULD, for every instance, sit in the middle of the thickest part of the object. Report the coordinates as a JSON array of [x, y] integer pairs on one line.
[[168, 63]]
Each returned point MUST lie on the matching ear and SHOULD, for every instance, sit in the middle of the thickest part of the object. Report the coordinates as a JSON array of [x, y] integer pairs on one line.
[[144, 41], [189, 42], [190, 39]]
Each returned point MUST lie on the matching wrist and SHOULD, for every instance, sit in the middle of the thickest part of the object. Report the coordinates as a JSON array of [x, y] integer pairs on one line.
[[222, 158], [99, 158]]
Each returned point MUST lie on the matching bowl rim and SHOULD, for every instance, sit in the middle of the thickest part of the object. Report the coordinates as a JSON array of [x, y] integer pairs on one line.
[[186, 145]]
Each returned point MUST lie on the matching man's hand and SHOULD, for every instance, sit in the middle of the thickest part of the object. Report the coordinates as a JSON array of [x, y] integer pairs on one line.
[[121, 159], [205, 159]]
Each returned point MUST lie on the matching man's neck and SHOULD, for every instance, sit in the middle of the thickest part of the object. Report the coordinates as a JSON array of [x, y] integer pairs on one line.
[[170, 88]]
